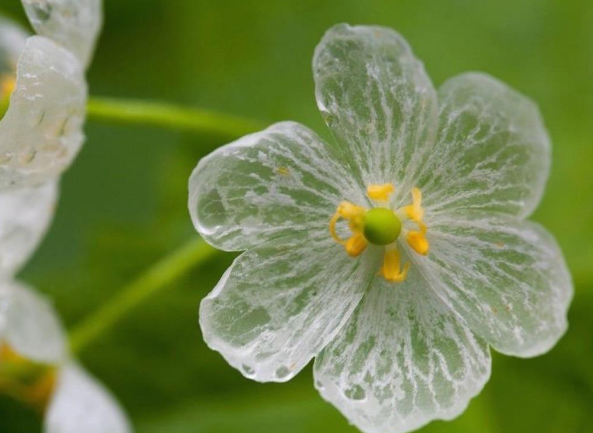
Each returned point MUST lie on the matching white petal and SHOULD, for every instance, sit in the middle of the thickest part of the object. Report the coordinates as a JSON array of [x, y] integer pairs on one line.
[[278, 181], [279, 304], [31, 325], [492, 152], [42, 130], [12, 42], [506, 278], [403, 360], [75, 24], [25, 215], [378, 101], [82, 405]]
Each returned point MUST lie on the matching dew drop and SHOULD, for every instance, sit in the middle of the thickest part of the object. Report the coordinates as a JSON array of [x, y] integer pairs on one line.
[[247, 370], [282, 372]]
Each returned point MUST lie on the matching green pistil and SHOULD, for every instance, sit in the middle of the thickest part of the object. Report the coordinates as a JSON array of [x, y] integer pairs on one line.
[[381, 226]]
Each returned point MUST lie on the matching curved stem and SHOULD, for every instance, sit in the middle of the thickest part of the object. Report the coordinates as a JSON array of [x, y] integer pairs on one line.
[[159, 276], [168, 116]]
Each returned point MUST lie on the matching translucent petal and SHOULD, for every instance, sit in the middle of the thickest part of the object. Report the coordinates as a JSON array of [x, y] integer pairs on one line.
[[81, 404], [25, 215], [42, 130], [492, 152], [403, 360], [278, 181], [506, 278], [31, 326], [279, 304], [12, 43], [378, 101], [75, 24]]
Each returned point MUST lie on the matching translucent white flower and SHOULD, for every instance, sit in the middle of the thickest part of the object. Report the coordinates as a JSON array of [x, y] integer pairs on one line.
[[41, 132], [36, 368], [396, 254]]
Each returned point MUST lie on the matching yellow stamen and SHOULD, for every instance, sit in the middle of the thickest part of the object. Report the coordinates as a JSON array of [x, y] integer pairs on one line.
[[350, 212], [415, 211], [391, 269], [418, 243], [356, 245], [363, 224], [380, 192]]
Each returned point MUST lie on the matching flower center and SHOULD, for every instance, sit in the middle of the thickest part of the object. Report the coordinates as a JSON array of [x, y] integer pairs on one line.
[[383, 226]]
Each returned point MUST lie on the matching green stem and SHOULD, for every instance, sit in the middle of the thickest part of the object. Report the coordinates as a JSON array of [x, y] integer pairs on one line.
[[168, 116], [162, 115], [159, 276]]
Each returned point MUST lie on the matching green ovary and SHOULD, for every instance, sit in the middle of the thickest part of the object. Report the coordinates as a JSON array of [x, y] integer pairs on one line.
[[381, 226]]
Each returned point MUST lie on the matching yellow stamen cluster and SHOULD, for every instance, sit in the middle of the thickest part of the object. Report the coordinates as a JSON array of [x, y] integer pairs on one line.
[[387, 228], [25, 380]]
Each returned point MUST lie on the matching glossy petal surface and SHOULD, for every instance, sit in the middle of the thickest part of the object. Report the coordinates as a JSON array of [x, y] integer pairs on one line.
[[378, 101], [25, 215], [74, 24], [403, 360], [492, 152], [42, 130], [279, 181], [81, 404], [507, 279], [279, 304], [30, 324]]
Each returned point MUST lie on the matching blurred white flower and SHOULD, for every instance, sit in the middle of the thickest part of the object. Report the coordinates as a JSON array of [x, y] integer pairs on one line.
[[25, 215], [41, 132], [36, 368], [427, 261]]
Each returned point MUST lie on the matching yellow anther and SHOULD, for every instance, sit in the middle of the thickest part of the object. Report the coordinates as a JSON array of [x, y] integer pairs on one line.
[[417, 239], [350, 212], [356, 245], [392, 270], [415, 211], [380, 192]]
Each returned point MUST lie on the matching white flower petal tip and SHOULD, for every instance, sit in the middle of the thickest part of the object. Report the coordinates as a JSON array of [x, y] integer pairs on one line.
[[403, 360], [41, 132], [518, 289], [492, 153], [25, 215], [81, 404], [279, 304], [74, 24], [395, 256], [378, 101], [30, 325]]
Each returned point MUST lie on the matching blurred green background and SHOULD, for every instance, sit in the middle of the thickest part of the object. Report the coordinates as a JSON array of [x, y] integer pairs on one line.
[[123, 203]]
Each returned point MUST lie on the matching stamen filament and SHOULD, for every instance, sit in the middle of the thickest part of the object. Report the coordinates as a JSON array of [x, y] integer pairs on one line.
[[392, 270]]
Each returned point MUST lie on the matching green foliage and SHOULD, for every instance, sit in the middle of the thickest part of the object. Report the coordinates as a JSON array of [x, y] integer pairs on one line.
[[123, 203]]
